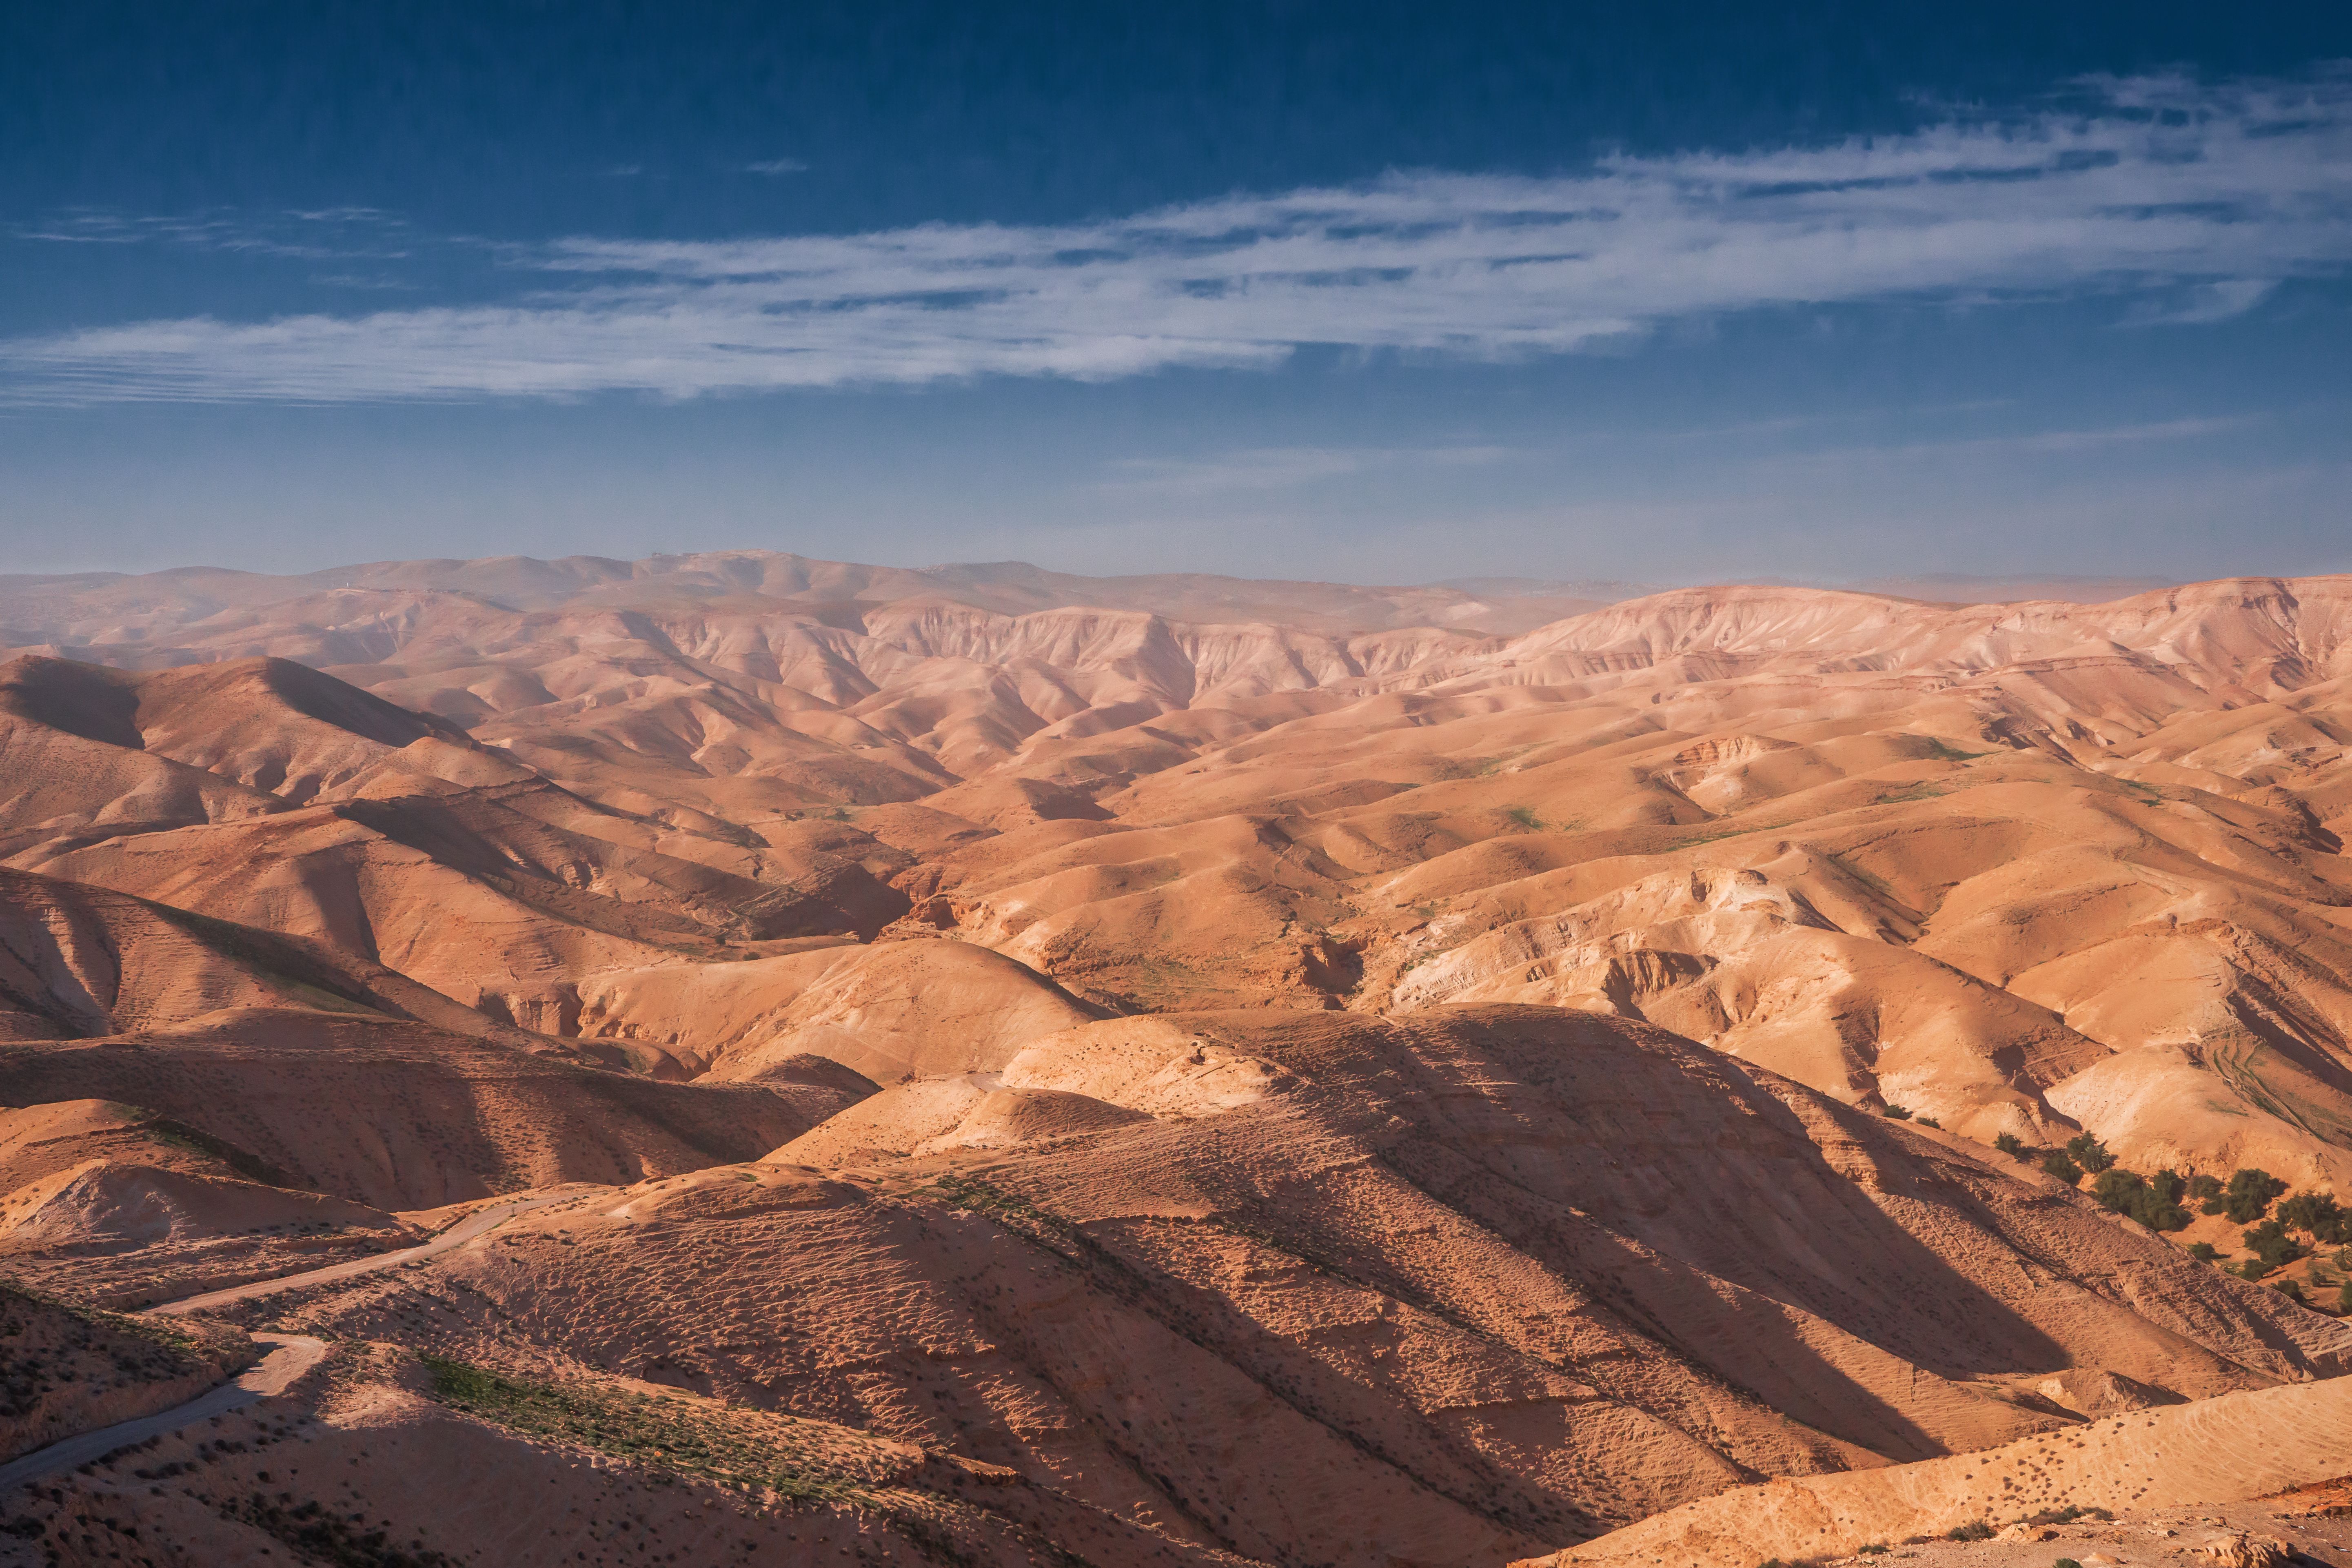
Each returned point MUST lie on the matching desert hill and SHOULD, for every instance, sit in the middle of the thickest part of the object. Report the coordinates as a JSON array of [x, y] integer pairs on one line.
[[1286, 1070], [2252, 1445], [1443, 1286], [2025, 868], [65, 1369]]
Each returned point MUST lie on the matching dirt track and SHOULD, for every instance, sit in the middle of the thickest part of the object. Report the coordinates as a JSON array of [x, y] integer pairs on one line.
[[294, 1355]]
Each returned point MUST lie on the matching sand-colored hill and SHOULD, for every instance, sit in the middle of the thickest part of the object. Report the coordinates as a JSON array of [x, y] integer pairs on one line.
[[65, 1369], [886, 1010], [400, 1116], [2252, 1445], [378, 1457], [106, 1205], [1314, 1073], [1445, 1283]]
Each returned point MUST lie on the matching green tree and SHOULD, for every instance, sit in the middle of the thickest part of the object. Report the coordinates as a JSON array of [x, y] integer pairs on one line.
[[2147, 1199], [2250, 1193], [2010, 1145], [2088, 1152], [2270, 1242], [2056, 1164], [2118, 1189], [2319, 1214]]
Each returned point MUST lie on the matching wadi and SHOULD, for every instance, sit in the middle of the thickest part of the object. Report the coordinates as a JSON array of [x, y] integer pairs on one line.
[[737, 1058]]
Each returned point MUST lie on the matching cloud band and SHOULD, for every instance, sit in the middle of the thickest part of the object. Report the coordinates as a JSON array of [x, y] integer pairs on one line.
[[2193, 200]]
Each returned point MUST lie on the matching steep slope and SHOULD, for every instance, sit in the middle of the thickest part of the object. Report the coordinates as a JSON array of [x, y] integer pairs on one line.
[[1444, 1285], [2251, 1445], [402, 1116], [65, 1369]]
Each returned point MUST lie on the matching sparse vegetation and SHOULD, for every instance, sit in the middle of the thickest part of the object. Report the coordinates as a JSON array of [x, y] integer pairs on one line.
[[1895, 1112], [195, 1141], [2087, 1152], [2249, 1194], [734, 1448], [1525, 815], [2203, 1251], [318, 1536], [2011, 1144], [2055, 1163], [54, 1353], [1975, 1529]]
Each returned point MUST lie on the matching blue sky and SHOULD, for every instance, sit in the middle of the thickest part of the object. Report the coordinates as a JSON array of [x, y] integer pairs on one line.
[[1371, 292]]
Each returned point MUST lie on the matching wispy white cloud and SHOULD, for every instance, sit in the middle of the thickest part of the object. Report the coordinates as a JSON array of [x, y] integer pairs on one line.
[[2024, 444], [2217, 301], [329, 234], [2166, 191], [1281, 467], [776, 166]]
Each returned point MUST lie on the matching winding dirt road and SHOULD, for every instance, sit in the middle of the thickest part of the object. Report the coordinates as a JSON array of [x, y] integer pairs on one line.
[[294, 1354], [481, 1222]]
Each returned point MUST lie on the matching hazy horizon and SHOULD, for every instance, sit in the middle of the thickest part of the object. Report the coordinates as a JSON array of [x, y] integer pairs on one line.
[[2090, 587]]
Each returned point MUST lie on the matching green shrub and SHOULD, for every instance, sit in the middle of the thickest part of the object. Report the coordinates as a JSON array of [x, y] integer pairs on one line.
[[2067, 1563], [2116, 1188], [2056, 1164], [2088, 1152], [2010, 1145], [2250, 1193], [2253, 1269], [2343, 1298], [2202, 1251], [1975, 1529], [2319, 1214], [1928, 1122], [1895, 1112], [2147, 1200], [2270, 1242], [737, 1449], [2290, 1288]]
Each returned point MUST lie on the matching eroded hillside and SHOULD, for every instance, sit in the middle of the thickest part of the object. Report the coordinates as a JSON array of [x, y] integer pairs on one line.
[[1298, 1072]]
